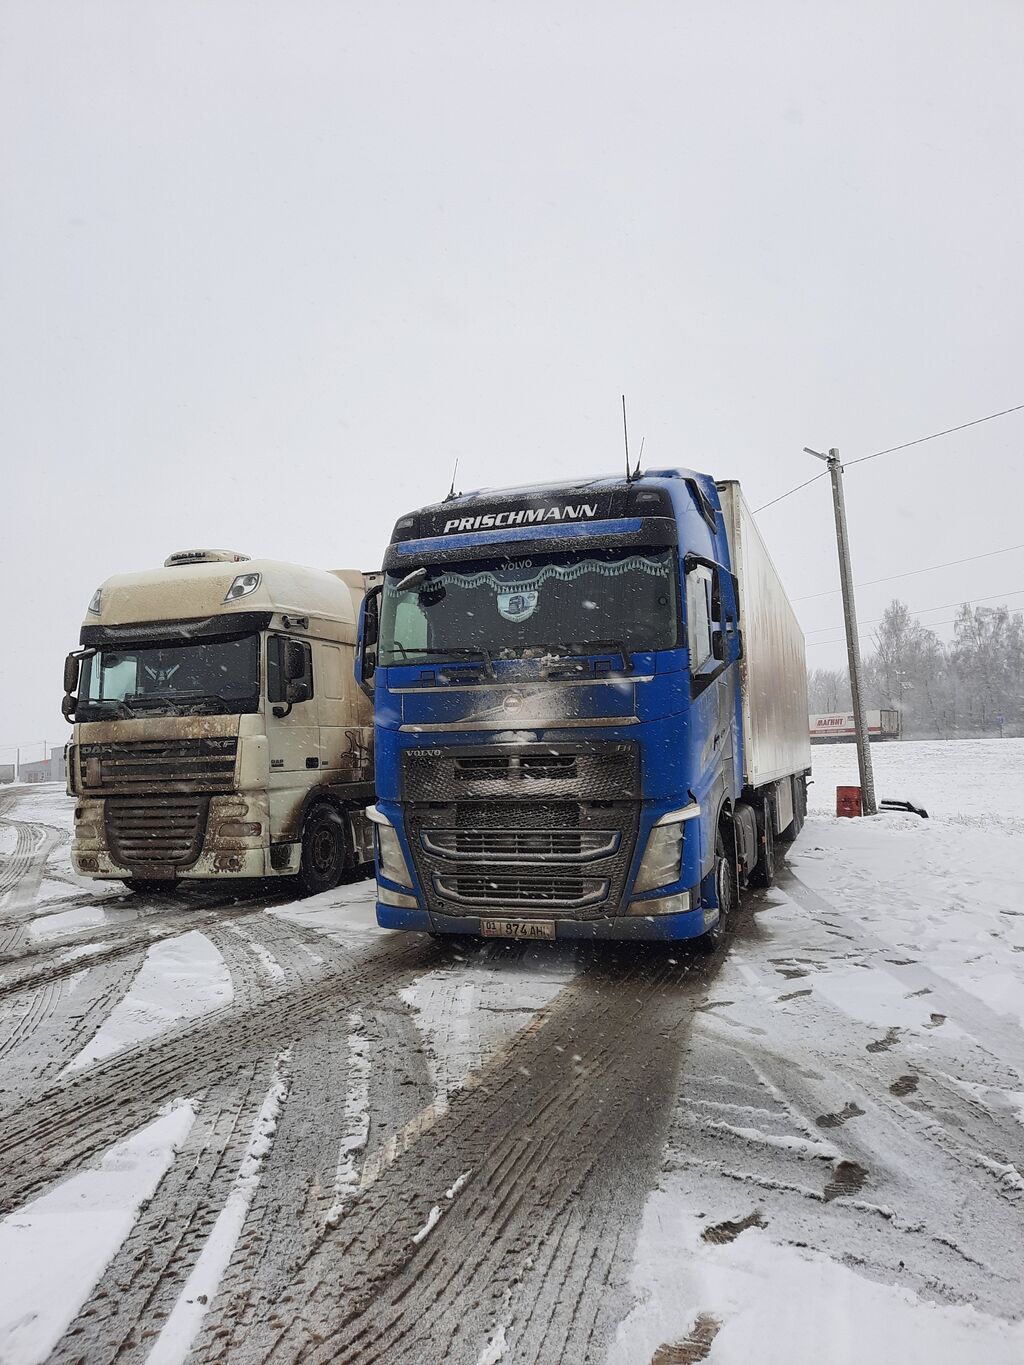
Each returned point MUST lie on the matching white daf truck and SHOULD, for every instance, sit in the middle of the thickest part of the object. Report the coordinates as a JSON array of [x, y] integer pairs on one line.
[[218, 728]]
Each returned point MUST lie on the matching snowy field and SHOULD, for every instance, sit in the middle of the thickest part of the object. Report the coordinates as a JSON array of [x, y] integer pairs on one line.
[[236, 1128]]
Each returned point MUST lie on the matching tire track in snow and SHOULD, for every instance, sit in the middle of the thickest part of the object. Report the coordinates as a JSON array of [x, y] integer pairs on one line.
[[590, 1090]]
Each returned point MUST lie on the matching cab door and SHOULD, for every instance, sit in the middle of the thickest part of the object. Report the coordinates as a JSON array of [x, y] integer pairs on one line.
[[293, 730]]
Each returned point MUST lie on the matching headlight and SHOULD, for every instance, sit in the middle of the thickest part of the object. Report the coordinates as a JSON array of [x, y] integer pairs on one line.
[[663, 854], [95, 602], [396, 898], [662, 905], [390, 858], [242, 586]]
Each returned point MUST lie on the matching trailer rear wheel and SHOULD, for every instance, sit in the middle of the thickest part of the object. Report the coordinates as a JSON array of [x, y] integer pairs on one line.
[[763, 871], [324, 851], [725, 883]]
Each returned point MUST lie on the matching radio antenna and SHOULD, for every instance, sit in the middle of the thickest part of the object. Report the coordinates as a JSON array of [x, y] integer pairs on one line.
[[625, 437], [451, 492], [636, 471]]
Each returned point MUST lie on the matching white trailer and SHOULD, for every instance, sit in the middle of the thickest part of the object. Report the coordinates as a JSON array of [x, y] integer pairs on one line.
[[773, 668], [838, 727]]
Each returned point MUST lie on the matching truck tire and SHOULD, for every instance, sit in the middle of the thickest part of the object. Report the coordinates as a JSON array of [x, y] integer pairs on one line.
[[324, 851], [763, 871], [148, 886], [725, 889]]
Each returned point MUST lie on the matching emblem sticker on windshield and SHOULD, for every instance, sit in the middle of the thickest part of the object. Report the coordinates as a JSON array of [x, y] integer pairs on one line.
[[517, 606]]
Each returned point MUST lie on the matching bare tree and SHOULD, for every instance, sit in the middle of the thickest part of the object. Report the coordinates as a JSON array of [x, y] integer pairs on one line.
[[828, 690]]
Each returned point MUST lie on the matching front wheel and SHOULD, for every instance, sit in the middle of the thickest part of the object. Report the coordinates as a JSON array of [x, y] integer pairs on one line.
[[725, 883], [324, 850]]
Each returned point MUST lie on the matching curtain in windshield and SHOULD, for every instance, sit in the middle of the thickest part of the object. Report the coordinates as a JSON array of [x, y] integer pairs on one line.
[[530, 607], [207, 675]]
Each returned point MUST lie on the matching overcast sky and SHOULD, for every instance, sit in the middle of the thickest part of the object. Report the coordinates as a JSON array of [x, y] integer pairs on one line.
[[266, 270]]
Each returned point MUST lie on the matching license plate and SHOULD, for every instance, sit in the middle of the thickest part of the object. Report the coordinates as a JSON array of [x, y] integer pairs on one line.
[[517, 928]]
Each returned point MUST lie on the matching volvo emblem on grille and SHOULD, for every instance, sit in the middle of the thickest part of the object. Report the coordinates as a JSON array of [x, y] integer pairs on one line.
[[511, 703]]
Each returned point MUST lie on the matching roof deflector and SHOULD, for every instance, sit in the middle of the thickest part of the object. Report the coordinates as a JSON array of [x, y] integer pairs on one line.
[[704, 504]]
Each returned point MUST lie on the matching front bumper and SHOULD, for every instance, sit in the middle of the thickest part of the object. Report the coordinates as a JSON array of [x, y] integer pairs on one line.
[[241, 863], [198, 846], [661, 928]]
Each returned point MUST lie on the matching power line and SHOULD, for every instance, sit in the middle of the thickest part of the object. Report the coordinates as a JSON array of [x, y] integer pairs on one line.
[[806, 484], [889, 450], [911, 573], [866, 639], [947, 432], [917, 611]]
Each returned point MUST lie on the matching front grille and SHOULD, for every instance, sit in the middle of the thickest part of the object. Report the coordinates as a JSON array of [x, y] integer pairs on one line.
[[522, 891], [528, 771], [524, 827], [521, 845], [517, 815], [159, 764], [515, 765], [164, 830]]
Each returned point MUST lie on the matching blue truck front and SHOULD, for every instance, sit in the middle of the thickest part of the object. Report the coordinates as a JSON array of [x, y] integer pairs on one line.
[[556, 712]]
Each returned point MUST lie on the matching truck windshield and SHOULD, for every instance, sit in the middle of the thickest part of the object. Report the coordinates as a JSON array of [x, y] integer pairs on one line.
[[183, 676], [527, 608]]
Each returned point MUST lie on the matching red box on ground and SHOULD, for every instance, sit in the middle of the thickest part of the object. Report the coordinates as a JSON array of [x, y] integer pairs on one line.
[[848, 801]]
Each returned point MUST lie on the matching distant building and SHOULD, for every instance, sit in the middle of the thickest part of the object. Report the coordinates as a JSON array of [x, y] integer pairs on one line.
[[6, 772], [52, 769]]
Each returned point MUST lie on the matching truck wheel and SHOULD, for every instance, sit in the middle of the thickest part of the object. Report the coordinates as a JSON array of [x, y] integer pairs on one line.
[[763, 872], [724, 889], [323, 851], [147, 886]]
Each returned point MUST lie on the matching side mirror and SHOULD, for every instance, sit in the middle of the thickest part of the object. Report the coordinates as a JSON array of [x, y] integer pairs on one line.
[[294, 662], [67, 708], [72, 666], [295, 692], [369, 633]]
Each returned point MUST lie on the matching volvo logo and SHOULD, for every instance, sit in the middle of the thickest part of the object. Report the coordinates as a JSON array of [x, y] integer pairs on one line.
[[511, 703]]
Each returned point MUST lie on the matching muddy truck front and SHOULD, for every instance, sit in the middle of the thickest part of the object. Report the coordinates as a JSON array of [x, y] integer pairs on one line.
[[583, 726], [219, 732]]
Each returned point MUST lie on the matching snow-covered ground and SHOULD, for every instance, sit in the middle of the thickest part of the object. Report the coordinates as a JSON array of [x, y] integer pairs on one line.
[[809, 1149], [179, 979], [881, 984]]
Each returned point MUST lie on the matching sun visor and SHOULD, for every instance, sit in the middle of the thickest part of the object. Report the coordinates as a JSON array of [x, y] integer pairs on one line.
[[137, 632], [572, 537]]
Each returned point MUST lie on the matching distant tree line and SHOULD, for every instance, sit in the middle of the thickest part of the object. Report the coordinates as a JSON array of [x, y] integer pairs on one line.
[[974, 685]]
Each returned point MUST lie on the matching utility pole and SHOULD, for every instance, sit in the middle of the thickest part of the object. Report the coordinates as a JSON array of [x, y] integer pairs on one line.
[[867, 778]]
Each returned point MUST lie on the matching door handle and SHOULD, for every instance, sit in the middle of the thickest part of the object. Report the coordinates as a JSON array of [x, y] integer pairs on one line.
[[312, 763]]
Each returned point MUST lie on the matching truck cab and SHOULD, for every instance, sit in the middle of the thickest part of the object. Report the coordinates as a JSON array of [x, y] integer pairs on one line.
[[218, 729], [590, 719]]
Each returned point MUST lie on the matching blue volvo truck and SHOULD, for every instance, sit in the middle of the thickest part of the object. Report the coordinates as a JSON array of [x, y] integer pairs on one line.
[[590, 710]]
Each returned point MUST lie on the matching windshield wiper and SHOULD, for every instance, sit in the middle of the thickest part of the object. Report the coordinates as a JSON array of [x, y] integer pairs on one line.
[[453, 653], [191, 698], [151, 699], [121, 707], [592, 645]]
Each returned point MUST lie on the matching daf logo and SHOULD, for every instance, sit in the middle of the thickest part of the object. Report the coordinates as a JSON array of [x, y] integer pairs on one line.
[[511, 703]]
